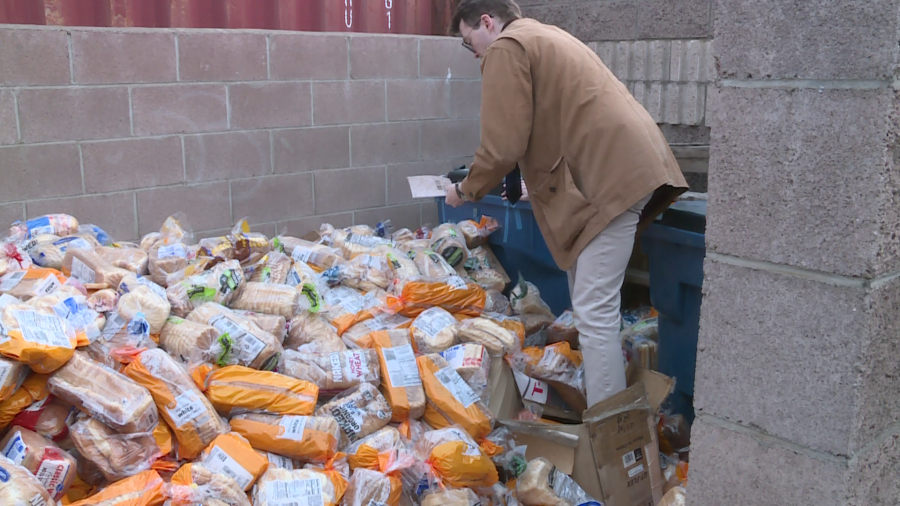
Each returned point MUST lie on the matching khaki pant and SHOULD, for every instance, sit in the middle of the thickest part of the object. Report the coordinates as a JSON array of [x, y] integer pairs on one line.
[[595, 284]]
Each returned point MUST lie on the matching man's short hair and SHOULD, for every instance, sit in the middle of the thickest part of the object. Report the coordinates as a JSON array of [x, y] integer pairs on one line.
[[470, 11]]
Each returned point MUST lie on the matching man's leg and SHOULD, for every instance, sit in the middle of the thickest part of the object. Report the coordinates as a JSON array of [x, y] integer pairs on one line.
[[596, 299]]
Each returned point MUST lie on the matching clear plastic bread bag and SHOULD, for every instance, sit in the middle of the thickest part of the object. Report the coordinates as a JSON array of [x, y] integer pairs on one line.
[[252, 346], [434, 330], [221, 285], [311, 333], [40, 339], [359, 412], [451, 400], [56, 224], [333, 372], [448, 241], [542, 484], [525, 298], [117, 455], [131, 259], [141, 295], [195, 483], [433, 265]]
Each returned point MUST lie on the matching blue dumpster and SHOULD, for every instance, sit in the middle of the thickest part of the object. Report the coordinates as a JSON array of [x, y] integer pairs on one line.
[[675, 247], [518, 244]]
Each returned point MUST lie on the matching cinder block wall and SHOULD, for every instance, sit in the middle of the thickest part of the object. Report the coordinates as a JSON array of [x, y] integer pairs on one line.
[[124, 127]]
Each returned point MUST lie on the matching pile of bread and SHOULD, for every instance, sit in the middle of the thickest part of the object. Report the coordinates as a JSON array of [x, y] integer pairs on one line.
[[348, 369]]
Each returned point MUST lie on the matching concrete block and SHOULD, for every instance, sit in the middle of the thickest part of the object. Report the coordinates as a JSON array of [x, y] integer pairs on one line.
[[113, 213], [398, 187], [210, 157], [305, 149], [623, 60], [270, 105], [607, 20], [179, 109], [692, 101], [68, 114], [673, 19], [132, 163], [430, 214], [807, 39], [639, 61], [760, 365], [301, 226], [444, 57], [806, 174], [874, 474], [640, 92], [658, 65], [51, 170], [465, 99], [606, 51], [10, 213], [449, 138], [308, 56], [406, 216], [695, 61], [9, 130], [112, 57], [729, 467], [349, 189], [394, 57], [677, 56], [273, 198], [685, 134], [348, 102], [384, 143], [34, 57], [653, 101], [418, 99], [222, 56], [672, 94], [205, 205]]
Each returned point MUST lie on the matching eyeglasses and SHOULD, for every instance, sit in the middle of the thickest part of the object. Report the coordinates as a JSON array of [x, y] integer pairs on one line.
[[467, 45]]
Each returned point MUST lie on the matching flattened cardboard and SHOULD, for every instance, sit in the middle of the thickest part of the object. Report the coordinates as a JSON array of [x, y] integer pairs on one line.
[[504, 402], [540, 394]]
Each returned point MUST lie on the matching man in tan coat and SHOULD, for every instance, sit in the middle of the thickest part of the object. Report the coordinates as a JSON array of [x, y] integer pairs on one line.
[[596, 165]]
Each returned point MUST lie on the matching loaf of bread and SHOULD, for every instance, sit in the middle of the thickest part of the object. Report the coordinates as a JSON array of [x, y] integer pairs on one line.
[[434, 330], [12, 374], [333, 372], [358, 412], [357, 336], [433, 265], [456, 459], [190, 341], [268, 298], [301, 486], [236, 389], [317, 256], [196, 484], [535, 323], [221, 284], [542, 484], [368, 272], [497, 303], [34, 389], [483, 331], [38, 338], [253, 347], [364, 453], [312, 333], [54, 468], [145, 489], [181, 404], [525, 298], [273, 324], [242, 245], [454, 294], [272, 268], [357, 242], [20, 487], [368, 486], [103, 301], [401, 384], [130, 259], [117, 455], [563, 329], [448, 241], [231, 454], [140, 295], [106, 394], [31, 282], [451, 497], [401, 266], [307, 438], [91, 270], [166, 259], [451, 400], [472, 362]]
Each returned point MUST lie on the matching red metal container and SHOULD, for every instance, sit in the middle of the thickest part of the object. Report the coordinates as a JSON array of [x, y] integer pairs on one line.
[[419, 17]]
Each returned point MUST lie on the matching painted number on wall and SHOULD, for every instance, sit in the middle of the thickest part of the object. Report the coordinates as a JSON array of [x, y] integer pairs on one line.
[[348, 13], [387, 5]]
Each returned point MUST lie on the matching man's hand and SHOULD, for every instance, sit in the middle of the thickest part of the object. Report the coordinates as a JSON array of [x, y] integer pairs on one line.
[[452, 198]]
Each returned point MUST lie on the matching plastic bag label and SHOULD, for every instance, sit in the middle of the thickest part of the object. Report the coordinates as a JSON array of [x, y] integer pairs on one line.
[[82, 272], [294, 493], [172, 250], [187, 407], [9, 281], [49, 285], [247, 345], [357, 366], [72, 242], [456, 282], [457, 358], [385, 322], [293, 427], [433, 321], [113, 325], [350, 418], [400, 362], [454, 383], [348, 298], [158, 290], [15, 449], [220, 462], [52, 475], [42, 329], [5, 369], [301, 254], [280, 461]]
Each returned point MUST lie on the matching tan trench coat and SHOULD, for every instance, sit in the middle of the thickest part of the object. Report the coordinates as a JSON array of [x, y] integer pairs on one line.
[[586, 148]]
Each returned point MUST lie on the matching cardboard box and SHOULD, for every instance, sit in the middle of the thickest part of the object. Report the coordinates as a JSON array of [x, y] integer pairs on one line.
[[541, 394], [614, 453]]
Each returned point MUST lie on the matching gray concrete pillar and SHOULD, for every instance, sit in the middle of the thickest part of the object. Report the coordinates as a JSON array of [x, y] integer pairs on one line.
[[798, 366]]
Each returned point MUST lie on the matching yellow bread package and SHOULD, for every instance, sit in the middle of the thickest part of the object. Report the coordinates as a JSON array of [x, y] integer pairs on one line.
[[236, 388], [231, 454], [454, 294], [13, 373], [344, 307], [143, 489], [364, 453], [33, 389], [298, 486], [197, 484], [357, 336], [451, 400], [40, 339], [33, 282], [400, 384], [368, 486], [456, 459], [308, 438], [162, 434], [188, 412]]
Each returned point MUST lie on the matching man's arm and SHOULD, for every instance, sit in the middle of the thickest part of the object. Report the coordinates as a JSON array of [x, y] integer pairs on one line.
[[506, 115]]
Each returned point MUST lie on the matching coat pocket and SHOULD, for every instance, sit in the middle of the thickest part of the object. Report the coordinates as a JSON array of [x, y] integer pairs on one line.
[[564, 207]]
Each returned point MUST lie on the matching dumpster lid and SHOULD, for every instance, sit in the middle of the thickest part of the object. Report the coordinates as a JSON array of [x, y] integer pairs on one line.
[[689, 215]]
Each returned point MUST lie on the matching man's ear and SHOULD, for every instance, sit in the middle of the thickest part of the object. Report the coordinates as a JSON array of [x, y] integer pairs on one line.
[[487, 21]]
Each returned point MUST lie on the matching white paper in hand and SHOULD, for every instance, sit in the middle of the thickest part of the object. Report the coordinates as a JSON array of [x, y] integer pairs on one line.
[[428, 186]]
